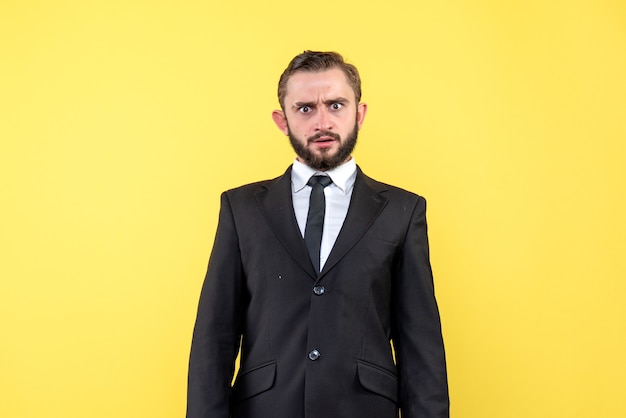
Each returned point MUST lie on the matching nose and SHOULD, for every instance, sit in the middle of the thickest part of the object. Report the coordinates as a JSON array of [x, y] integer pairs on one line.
[[323, 122]]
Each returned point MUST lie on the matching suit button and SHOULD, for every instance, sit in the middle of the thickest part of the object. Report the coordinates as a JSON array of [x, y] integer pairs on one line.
[[314, 355], [319, 290]]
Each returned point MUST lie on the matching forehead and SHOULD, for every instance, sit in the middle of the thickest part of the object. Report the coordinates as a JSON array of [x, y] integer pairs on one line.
[[308, 85]]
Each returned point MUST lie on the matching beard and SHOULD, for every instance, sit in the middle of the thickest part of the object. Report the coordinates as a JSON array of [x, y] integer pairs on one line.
[[325, 161]]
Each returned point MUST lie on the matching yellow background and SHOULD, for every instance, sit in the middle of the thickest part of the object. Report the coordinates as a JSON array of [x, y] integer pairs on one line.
[[122, 121]]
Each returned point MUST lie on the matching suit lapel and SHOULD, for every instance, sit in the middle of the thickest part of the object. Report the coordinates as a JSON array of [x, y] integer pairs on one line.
[[277, 207], [366, 204]]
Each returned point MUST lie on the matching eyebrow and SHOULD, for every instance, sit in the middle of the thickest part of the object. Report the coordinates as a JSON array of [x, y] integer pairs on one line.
[[341, 100]]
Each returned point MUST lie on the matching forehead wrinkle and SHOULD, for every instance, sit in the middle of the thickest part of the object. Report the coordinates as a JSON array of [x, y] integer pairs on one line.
[[307, 85]]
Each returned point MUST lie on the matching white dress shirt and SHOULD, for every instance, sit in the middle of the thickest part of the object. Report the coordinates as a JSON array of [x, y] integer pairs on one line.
[[337, 195]]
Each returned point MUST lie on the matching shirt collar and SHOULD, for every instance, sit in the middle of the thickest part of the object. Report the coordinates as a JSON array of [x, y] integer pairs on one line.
[[343, 176]]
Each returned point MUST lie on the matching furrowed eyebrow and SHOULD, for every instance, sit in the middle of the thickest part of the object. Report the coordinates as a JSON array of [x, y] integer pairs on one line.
[[302, 104], [341, 100]]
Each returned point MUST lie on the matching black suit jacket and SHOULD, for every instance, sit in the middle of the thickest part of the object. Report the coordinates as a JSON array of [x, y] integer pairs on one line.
[[318, 345]]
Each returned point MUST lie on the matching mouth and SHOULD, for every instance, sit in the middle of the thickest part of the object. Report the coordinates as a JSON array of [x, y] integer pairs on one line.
[[324, 142], [324, 139]]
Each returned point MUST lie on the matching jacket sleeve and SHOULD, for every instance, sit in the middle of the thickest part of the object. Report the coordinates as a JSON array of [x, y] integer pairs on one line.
[[217, 330], [417, 338]]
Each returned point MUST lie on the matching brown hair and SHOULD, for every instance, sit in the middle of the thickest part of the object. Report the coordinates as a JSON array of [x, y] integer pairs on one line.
[[313, 61]]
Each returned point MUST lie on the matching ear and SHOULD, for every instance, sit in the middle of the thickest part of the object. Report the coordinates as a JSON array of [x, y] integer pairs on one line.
[[361, 110], [281, 121]]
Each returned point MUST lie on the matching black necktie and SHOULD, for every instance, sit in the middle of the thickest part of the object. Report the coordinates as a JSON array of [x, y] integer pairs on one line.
[[315, 220]]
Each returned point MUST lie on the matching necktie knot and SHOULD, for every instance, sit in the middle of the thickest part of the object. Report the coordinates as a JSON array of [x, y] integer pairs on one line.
[[319, 180]]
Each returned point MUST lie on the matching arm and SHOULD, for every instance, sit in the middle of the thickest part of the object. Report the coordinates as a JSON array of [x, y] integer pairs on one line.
[[417, 335], [218, 325]]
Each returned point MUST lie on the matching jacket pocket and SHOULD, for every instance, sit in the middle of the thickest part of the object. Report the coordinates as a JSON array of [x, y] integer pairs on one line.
[[378, 380], [253, 381]]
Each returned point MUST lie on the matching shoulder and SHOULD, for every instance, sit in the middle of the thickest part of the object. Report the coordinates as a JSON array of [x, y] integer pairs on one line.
[[393, 193], [251, 189]]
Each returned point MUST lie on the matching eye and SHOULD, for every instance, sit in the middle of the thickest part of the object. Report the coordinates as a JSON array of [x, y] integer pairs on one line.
[[304, 109], [336, 106]]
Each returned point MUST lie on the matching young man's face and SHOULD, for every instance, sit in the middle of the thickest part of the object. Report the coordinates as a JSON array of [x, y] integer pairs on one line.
[[321, 117]]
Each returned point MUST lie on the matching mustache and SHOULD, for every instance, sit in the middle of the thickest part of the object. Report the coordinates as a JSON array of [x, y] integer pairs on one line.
[[324, 133]]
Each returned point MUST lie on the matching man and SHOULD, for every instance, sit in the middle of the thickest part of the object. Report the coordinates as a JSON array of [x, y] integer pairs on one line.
[[315, 279]]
